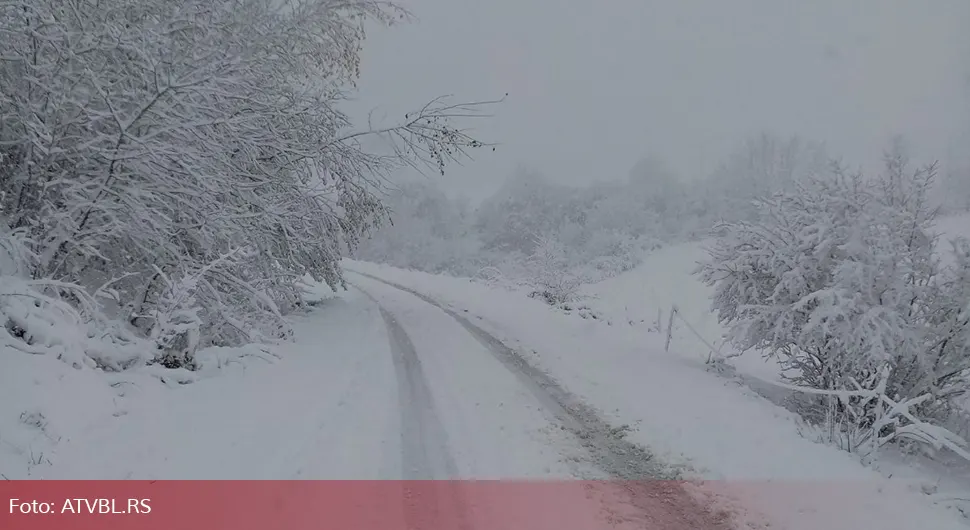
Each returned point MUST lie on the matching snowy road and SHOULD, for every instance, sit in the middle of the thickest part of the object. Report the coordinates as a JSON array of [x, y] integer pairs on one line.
[[471, 408]]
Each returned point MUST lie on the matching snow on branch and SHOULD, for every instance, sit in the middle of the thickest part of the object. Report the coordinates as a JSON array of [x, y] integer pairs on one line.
[[142, 145]]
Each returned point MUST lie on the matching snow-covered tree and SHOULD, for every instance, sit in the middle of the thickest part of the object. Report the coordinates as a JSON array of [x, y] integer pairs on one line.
[[429, 232], [526, 205], [760, 165], [656, 186], [841, 281], [200, 144]]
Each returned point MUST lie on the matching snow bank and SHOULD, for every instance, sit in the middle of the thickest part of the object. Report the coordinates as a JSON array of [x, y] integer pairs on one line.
[[69, 420], [59, 420], [43, 403], [716, 428]]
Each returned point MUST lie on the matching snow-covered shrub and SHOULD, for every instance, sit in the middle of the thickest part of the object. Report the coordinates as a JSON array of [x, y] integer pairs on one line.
[[60, 319], [609, 253], [840, 280], [760, 165], [527, 204], [550, 276]]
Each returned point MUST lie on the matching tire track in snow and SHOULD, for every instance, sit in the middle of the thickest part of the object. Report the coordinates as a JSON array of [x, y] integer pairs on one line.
[[425, 456], [646, 492], [424, 443]]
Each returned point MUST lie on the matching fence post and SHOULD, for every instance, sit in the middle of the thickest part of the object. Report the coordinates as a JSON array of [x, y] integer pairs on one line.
[[670, 326]]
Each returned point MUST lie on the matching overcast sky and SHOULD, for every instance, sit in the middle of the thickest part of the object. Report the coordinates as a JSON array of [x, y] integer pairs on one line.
[[595, 85]]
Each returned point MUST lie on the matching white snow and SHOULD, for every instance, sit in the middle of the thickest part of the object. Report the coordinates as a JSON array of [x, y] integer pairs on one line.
[[328, 407], [751, 448], [149, 207], [496, 429], [255, 420]]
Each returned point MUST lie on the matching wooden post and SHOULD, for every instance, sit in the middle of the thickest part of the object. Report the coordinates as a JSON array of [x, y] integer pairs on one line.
[[670, 327]]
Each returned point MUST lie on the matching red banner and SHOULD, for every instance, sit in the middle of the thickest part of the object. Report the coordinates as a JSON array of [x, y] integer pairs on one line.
[[348, 505]]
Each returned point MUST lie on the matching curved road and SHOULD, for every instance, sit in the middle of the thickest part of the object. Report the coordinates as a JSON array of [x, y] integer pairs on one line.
[[471, 408]]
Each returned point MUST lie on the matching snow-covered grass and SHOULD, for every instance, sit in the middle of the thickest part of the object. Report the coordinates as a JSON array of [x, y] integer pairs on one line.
[[717, 428]]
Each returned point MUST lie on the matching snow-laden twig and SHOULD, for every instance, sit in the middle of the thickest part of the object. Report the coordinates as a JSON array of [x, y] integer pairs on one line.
[[888, 414], [141, 144]]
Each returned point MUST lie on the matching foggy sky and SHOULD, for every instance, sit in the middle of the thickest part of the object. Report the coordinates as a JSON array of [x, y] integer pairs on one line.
[[595, 85]]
